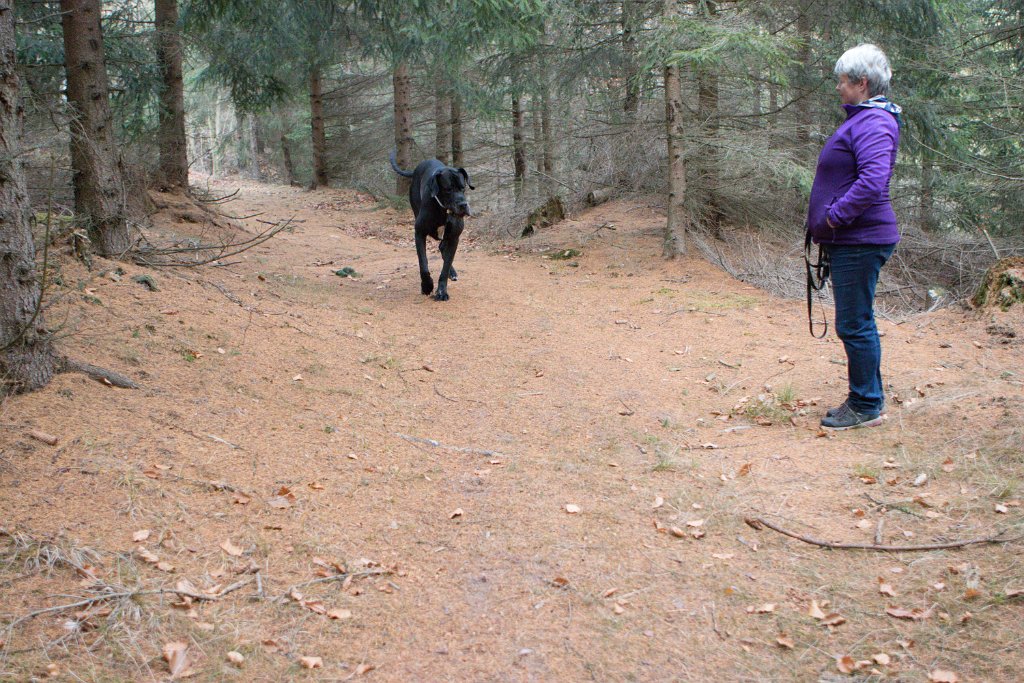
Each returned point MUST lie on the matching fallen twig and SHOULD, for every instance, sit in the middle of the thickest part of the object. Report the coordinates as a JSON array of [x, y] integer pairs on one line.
[[102, 375], [438, 444], [329, 579], [757, 522], [129, 595]]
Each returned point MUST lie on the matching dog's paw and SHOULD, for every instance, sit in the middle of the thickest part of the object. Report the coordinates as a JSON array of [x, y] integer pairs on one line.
[[426, 284], [441, 296]]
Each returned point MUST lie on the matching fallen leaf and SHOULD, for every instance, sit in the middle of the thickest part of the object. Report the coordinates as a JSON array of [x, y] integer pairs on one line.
[[457, 512], [785, 641], [723, 556], [943, 676], [677, 532], [744, 470], [146, 555], [235, 658], [240, 499], [881, 659], [230, 548], [311, 662], [609, 593], [339, 613], [766, 608], [815, 610], [140, 535], [868, 480], [316, 486], [695, 523], [572, 509], [921, 479], [658, 502], [165, 566], [617, 608], [948, 465], [864, 524], [1002, 509], [972, 594], [176, 656], [1014, 592], [833, 619], [364, 668], [915, 614], [885, 588], [846, 664], [559, 582]]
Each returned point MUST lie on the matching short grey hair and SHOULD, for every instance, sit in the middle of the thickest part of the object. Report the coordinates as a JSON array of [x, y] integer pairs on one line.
[[866, 61]]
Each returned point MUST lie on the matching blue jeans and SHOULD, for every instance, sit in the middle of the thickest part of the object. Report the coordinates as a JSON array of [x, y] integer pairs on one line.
[[855, 271]]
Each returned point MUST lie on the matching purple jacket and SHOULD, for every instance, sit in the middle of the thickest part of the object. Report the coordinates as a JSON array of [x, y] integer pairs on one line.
[[851, 184]]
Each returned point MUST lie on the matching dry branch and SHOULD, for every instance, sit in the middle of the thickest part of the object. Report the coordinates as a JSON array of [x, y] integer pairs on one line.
[[757, 522], [97, 373]]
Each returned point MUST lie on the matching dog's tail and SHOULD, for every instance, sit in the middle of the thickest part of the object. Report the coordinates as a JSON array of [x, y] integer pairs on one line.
[[394, 165]]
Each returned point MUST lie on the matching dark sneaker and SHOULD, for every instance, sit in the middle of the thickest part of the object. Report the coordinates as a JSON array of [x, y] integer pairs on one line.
[[832, 411], [846, 417]]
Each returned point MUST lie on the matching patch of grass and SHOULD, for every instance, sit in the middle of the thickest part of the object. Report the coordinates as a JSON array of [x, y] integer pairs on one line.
[[565, 254], [863, 470]]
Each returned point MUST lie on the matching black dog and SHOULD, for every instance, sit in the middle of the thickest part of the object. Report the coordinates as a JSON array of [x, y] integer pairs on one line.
[[438, 199]]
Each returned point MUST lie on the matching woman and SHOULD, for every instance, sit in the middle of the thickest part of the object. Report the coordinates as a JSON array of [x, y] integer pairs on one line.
[[850, 214]]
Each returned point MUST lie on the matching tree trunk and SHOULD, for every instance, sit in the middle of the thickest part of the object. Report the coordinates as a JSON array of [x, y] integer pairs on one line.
[[403, 124], [707, 114], [316, 109], [545, 123], [26, 357], [518, 147], [804, 114], [629, 19], [676, 224], [286, 153], [928, 220], [442, 121], [536, 146], [457, 156], [95, 163], [254, 147], [173, 173]]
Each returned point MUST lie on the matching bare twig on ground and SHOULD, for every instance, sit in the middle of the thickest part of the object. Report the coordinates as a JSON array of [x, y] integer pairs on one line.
[[128, 595], [757, 522], [438, 444]]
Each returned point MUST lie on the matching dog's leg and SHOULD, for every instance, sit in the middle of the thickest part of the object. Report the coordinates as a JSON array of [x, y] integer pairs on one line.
[[426, 282], [448, 247]]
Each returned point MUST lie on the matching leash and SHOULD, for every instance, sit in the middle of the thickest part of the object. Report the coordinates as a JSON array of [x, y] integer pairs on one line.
[[817, 279]]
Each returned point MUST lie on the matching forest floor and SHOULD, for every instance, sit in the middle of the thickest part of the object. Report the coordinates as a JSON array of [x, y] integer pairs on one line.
[[545, 478]]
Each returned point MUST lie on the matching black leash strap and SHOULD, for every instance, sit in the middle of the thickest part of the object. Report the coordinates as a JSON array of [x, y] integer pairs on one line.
[[817, 278]]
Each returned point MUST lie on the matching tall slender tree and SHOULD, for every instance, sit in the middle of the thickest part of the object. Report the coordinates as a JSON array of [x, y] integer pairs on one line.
[[97, 171], [173, 171], [26, 357]]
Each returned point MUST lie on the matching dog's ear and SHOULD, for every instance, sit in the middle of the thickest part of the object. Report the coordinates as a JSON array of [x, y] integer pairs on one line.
[[466, 176], [432, 189]]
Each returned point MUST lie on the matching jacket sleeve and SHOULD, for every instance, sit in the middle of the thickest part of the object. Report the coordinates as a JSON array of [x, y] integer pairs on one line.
[[872, 149]]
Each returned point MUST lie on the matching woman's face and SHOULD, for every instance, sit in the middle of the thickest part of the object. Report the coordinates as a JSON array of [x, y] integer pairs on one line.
[[852, 92]]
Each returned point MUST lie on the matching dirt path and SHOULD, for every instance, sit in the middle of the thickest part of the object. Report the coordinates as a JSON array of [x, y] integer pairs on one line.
[[434, 451]]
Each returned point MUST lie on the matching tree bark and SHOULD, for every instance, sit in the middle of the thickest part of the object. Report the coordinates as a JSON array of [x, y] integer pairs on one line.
[[26, 357], [96, 168], [316, 108], [457, 154], [173, 172], [286, 153], [442, 121], [254, 147], [545, 122], [536, 145], [676, 223], [629, 19], [927, 209], [518, 147], [404, 140], [804, 114], [707, 114]]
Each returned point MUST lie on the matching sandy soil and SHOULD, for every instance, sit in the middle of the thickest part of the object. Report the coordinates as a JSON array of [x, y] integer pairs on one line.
[[543, 479]]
